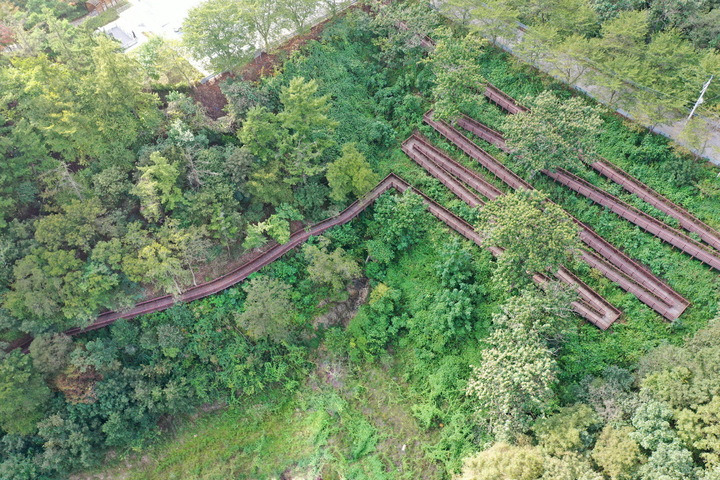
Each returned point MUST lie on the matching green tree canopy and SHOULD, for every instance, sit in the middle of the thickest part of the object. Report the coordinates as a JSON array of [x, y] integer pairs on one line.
[[350, 174], [23, 394], [290, 145], [513, 381], [218, 33], [503, 461], [554, 133], [268, 312], [459, 80], [334, 268], [536, 235]]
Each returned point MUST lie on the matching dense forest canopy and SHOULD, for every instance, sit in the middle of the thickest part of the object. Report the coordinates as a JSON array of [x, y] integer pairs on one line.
[[387, 347]]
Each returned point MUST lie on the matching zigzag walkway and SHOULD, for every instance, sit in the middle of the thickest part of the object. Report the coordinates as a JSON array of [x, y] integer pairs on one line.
[[687, 220], [275, 251], [591, 306], [616, 266], [641, 219]]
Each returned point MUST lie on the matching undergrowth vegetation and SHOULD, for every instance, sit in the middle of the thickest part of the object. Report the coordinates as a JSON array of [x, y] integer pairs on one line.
[[372, 381]]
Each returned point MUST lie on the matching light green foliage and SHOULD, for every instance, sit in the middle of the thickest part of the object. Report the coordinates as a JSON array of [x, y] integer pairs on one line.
[[400, 221], [334, 268], [277, 227], [350, 174], [494, 19], [546, 311], [513, 381], [616, 453], [79, 226], [266, 18], [166, 259], [50, 353], [663, 65], [218, 33], [652, 425], [307, 126], [537, 236], [670, 461], [710, 474], [55, 287], [687, 379], [268, 312], [23, 394], [569, 467], [297, 12], [290, 145], [554, 133], [164, 63], [569, 58], [567, 431], [157, 187], [82, 104], [458, 76], [504, 462]]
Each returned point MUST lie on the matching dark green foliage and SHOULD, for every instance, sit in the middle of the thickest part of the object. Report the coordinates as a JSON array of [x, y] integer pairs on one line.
[[399, 223], [23, 394]]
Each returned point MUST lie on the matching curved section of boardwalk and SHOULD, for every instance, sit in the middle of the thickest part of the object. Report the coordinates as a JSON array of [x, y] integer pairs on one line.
[[615, 265], [470, 177], [591, 306], [270, 255], [687, 220], [650, 224]]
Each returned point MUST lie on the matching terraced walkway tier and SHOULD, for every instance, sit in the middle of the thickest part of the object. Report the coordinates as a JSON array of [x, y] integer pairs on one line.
[[610, 261], [410, 147], [687, 220], [650, 224], [423, 146], [591, 306], [504, 101], [491, 136]]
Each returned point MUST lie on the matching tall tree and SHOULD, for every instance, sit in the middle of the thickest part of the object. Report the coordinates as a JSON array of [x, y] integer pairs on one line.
[[513, 382], [297, 12], [157, 187], [334, 268], [266, 17], [504, 461], [554, 133], [537, 236], [350, 174], [217, 33], [23, 394], [459, 80], [290, 144], [268, 312]]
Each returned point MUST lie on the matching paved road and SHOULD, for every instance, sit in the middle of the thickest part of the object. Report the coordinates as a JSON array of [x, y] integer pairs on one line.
[[157, 17]]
